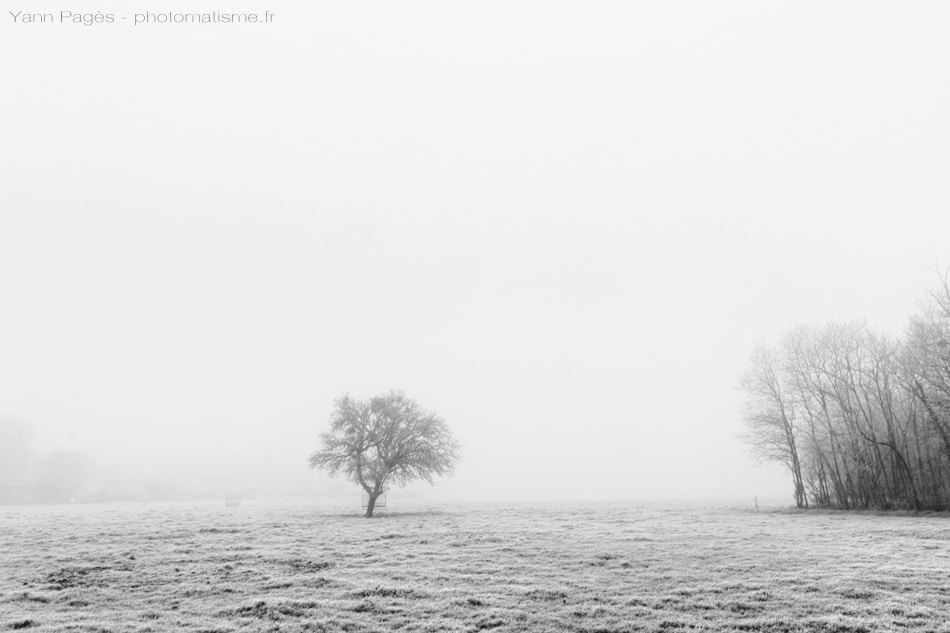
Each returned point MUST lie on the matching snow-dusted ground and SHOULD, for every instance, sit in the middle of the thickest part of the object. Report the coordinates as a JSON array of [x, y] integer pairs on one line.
[[290, 566]]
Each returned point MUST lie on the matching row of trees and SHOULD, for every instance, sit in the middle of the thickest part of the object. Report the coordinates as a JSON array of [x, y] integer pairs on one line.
[[27, 476], [861, 420]]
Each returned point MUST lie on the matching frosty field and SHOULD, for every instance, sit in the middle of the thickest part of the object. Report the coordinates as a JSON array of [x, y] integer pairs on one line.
[[288, 566]]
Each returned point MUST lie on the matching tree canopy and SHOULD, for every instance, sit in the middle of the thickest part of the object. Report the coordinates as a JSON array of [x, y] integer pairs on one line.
[[386, 439]]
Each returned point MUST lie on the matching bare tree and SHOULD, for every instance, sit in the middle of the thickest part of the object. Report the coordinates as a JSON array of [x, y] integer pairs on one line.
[[770, 418], [803, 373], [386, 439], [926, 365]]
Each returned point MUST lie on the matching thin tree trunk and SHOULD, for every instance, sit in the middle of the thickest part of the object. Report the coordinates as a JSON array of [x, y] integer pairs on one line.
[[371, 504]]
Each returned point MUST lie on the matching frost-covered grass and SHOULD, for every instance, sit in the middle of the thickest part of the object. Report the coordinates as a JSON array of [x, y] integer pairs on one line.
[[610, 567]]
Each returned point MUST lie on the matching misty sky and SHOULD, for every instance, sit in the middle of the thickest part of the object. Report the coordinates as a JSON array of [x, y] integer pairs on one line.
[[561, 225]]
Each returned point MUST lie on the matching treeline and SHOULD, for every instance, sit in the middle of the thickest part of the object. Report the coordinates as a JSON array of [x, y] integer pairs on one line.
[[29, 477], [861, 420]]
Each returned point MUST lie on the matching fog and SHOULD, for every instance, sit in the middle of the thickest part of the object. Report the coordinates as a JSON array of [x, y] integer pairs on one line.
[[561, 225]]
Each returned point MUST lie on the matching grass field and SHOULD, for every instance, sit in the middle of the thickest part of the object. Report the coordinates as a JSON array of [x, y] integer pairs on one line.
[[605, 568]]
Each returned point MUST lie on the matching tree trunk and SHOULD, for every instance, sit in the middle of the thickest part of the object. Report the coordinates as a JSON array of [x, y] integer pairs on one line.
[[373, 496]]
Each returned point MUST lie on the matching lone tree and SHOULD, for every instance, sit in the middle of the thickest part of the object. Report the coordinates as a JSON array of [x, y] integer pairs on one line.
[[388, 438]]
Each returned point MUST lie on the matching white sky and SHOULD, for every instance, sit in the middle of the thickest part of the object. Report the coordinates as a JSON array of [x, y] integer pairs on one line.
[[561, 225]]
